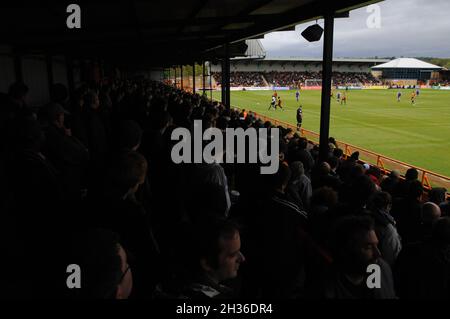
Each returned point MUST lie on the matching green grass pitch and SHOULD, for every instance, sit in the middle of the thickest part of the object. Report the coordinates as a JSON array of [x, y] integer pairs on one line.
[[372, 119]]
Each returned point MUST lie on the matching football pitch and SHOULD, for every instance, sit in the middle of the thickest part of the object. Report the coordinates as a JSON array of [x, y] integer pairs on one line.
[[372, 119]]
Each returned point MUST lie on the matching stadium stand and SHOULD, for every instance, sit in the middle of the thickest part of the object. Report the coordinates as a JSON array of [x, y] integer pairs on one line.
[[319, 213], [440, 83], [87, 177], [294, 79], [241, 79]]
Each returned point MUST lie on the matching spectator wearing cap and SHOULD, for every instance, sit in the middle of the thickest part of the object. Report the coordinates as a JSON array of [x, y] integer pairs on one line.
[[366, 167]]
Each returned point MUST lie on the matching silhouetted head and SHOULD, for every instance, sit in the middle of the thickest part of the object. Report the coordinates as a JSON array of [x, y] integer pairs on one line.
[[355, 244], [430, 212], [411, 174]]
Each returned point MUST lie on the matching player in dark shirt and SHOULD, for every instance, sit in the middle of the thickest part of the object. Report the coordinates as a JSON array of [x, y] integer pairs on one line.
[[299, 117]]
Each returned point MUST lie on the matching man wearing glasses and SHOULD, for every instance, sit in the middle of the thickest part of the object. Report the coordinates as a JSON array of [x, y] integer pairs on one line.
[[103, 263]]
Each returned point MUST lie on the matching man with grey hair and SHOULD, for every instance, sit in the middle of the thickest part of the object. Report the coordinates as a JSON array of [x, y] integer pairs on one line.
[[299, 186], [430, 213]]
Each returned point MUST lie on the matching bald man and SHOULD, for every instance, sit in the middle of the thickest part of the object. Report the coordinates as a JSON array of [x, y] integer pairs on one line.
[[430, 213]]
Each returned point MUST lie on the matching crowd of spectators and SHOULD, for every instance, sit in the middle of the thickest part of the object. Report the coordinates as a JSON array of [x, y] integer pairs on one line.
[[358, 78], [440, 82], [295, 79], [88, 180], [237, 79], [246, 79], [289, 78]]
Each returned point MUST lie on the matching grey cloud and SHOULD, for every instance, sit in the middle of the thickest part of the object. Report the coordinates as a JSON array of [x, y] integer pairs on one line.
[[408, 28]]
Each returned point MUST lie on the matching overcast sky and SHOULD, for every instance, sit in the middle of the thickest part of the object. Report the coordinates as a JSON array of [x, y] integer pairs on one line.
[[408, 28]]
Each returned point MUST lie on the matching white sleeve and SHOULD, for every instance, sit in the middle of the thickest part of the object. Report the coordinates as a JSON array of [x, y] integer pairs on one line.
[[391, 245]]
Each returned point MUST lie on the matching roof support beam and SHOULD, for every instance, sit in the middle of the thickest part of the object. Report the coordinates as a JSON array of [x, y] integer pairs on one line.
[[203, 77], [226, 77], [227, 83], [181, 75], [210, 81], [175, 76], [193, 77], [326, 86]]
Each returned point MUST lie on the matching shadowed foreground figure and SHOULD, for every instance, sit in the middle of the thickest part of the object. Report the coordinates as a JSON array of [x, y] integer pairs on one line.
[[423, 268], [104, 269], [217, 258], [354, 249]]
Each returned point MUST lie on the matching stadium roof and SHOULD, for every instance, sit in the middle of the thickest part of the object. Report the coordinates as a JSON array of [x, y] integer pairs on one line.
[[300, 59], [255, 49], [154, 31], [407, 63]]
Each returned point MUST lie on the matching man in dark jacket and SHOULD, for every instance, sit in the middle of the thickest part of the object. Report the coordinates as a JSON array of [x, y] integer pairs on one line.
[[119, 211], [354, 249], [280, 228]]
